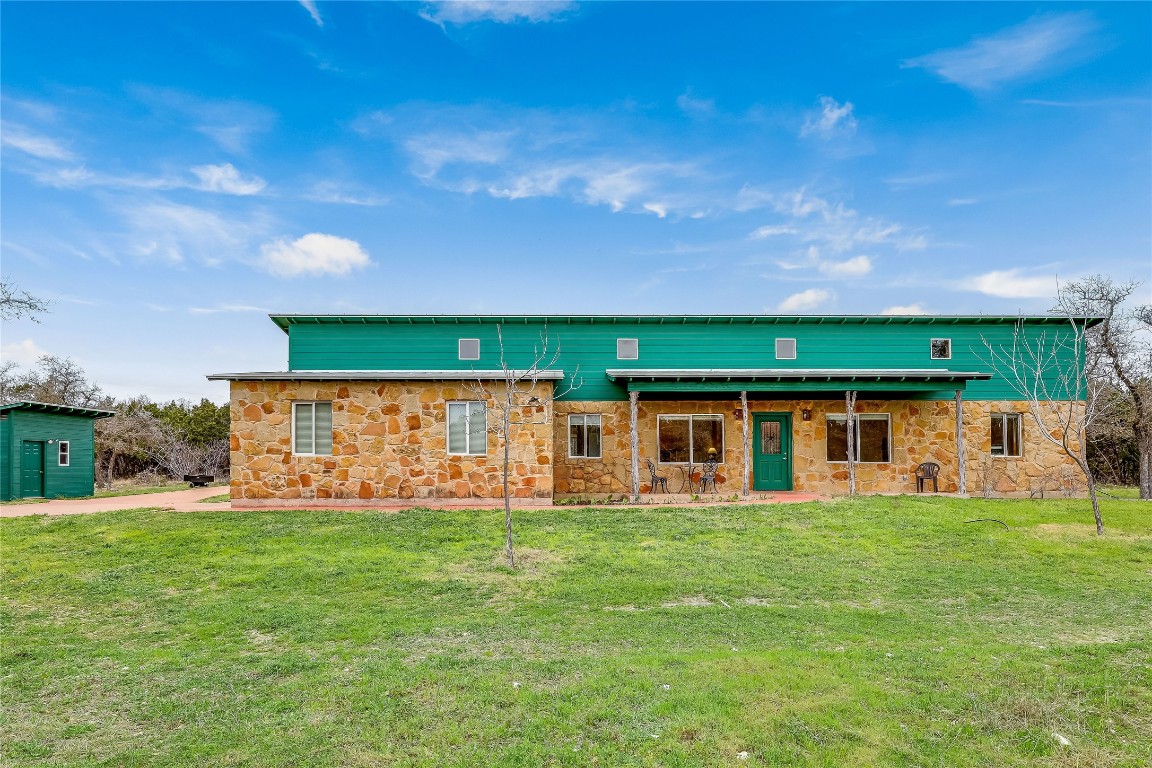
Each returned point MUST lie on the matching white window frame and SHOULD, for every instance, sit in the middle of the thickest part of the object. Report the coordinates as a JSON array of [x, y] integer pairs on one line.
[[1004, 426], [460, 349], [581, 420], [312, 403], [64, 453], [468, 447], [931, 350], [856, 444], [691, 447], [795, 349]]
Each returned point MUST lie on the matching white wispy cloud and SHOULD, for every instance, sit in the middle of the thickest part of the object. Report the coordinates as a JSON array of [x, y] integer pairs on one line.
[[337, 194], [225, 178], [225, 309], [222, 179], [42, 147], [1039, 45], [834, 227], [230, 123], [460, 12], [961, 201], [806, 300], [23, 352], [905, 309], [313, 11], [1012, 284], [854, 267], [313, 254], [160, 230], [832, 120], [695, 107]]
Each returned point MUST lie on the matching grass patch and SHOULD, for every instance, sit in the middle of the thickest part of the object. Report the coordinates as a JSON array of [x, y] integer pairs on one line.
[[874, 631], [217, 499]]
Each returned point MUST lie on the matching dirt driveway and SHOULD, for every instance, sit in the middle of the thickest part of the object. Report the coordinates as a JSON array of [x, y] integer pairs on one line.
[[178, 501]]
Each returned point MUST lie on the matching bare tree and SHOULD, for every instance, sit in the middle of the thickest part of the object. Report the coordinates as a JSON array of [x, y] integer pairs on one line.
[[129, 433], [520, 402], [16, 303], [1052, 372], [1123, 344], [53, 380]]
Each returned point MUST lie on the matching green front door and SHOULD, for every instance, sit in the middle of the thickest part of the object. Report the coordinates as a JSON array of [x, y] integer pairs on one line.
[[772, 451], [32, 469]]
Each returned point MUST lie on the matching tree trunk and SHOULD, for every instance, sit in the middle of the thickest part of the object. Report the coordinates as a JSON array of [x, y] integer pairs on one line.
[[1144, 445], [1092, 496], [850, 425], [961, 474], [507, 500], [634, 407], [747, 436], [111, 470]]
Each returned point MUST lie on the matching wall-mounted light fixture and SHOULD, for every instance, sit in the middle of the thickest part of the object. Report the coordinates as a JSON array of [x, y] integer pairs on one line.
[[738, 413], [806, 414]]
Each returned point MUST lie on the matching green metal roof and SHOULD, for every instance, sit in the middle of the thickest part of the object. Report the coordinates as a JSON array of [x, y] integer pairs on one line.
[[284, 321], [797, 374], [65, 410]]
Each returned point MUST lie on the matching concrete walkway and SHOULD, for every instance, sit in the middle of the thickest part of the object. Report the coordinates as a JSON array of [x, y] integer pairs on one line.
[[178, 501], [189, 501]]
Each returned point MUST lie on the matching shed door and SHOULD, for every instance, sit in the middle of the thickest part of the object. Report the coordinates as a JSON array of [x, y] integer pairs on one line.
[[32, 469]]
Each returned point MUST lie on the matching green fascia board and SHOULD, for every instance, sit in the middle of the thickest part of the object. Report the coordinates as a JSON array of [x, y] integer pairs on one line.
[[283, 321], [32, 406]]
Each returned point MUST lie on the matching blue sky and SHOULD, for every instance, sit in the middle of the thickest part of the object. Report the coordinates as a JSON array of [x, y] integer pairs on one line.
[[172, 172]]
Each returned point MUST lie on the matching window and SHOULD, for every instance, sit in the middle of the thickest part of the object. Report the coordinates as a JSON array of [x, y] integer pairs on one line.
[[941, 349], [686, 439], [627, 349], [873, 438], [584, 436], [64, 457], [469, 349], [1006, 434], [312, 429], [785, 349], [467, 429]]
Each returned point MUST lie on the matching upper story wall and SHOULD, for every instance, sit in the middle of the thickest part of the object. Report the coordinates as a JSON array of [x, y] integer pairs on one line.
[[588, 344]]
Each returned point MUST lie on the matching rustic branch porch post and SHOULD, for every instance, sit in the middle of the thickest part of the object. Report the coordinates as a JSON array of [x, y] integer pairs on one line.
[[850, 424], [747, 436], [634, 406], [961, 478]]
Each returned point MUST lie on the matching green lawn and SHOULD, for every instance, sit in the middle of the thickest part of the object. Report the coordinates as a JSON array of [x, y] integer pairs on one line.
[[881, 631], [125, 490]]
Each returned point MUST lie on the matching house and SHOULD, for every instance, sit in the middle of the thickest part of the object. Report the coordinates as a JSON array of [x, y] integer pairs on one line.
[[403, 406], [47, 450]]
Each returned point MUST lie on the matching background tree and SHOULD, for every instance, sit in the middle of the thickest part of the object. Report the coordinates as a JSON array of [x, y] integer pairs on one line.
[[1122, 343], [16, 303], [52, 380], [520, 402], [1057, 373]]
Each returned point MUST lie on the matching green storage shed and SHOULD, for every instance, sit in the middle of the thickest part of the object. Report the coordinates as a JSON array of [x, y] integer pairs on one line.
[[47, 450]]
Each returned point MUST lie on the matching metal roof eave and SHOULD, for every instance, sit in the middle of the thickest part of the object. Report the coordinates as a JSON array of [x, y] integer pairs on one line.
[[283, 321], [443, 375], [63, 410]]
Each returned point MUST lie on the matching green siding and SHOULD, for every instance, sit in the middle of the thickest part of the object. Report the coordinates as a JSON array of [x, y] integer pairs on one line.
[[590, 347], [5, 469], [77, 479]]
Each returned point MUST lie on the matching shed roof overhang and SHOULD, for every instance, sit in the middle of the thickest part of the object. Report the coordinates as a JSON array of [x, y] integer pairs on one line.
[[791, 379], [63, 410], [469, 375]]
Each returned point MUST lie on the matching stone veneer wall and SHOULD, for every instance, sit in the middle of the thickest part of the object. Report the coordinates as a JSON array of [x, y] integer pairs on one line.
[[389, 442], [922, 430]]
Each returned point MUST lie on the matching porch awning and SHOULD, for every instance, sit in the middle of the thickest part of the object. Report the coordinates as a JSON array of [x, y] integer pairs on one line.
[[791, 379]]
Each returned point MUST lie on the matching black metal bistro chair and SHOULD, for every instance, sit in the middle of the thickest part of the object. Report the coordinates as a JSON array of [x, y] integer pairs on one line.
[[708, 474], [657, 479], [927, 472]]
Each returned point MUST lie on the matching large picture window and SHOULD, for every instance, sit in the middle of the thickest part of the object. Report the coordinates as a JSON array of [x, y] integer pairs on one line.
[[467, 429], [686, 439], [873, 438], [584, 436], [312, 429], [1006, 434]]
